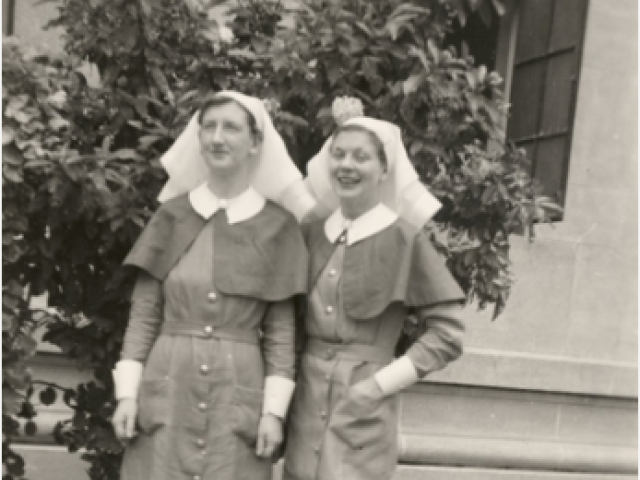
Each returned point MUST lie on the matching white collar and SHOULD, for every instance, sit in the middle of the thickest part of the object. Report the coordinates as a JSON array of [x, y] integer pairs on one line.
[[366, 225], [243, 207]]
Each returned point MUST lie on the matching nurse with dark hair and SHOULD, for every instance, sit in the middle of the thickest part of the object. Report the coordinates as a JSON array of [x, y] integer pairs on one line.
[[207, 365], [371, 265]]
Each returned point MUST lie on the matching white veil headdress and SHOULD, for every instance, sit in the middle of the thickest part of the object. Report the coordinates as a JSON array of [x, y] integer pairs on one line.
[[402, 191], [276, 177]]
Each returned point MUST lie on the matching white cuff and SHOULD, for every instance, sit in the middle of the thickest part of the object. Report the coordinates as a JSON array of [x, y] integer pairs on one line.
[[277, 395], [397, 376], [126, 377]]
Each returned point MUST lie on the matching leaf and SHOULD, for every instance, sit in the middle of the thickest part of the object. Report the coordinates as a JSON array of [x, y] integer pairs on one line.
[[499, 7], [48, 396], [147, 8], [246, 54], [334, 73], [12, 174], [58, 123], [402, 16], [26, 345], [7, 135], [434, 51], [369, 67], [485, 13], [30, 428], [11, 401], [69, 396], [280, 61], [37, 163], [413, 83], [147, 140], [126, 154], [287, 117], [159, 79]]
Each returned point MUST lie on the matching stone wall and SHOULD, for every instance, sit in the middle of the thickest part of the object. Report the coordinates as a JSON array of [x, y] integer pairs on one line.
[[552, 384]]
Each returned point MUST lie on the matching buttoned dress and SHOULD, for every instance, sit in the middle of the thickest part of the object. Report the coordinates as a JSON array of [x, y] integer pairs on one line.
[[209, 325], [364, 281]]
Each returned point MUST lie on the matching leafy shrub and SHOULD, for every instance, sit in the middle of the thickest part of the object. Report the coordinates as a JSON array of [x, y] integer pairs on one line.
[[81, 170]]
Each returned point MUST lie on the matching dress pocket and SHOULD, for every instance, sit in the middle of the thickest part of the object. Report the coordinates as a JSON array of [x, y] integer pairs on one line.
[[359, 421], [247, 408], [367, 429], [153, 405]]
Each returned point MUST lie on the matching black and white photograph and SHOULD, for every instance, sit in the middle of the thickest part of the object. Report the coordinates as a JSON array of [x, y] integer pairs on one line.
[[320, 239]]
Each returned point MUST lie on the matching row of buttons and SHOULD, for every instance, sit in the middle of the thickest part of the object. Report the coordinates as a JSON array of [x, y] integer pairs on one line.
[[208, 330], [332, 273]]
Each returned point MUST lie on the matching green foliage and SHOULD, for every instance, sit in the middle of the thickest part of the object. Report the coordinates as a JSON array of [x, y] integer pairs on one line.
[[81, 170]]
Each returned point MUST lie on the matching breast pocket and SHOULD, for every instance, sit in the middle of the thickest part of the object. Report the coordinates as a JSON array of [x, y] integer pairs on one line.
[[153, 405]]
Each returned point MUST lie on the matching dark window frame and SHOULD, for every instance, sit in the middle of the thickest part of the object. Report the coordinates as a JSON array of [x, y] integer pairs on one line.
[[8, 17], [545, 59]]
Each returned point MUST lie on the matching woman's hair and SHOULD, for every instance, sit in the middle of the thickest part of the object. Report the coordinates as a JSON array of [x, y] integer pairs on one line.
[[218, 101], [350, 127]]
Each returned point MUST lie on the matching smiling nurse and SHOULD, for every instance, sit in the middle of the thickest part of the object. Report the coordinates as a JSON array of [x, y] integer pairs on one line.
[[370, 267]]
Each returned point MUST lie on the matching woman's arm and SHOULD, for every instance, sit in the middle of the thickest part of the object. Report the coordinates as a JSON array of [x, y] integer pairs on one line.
[[438, 346], [278, 350], [145, 320]]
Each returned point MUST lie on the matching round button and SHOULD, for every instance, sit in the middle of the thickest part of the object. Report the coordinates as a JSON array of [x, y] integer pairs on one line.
[[329, 309], [323, 415], [317, 449], [332, 272], [342, 239], [200, 442], [212, 296], [327, 377], [202, 406], [197, 477], [203, 452], [204, 368], [208, 329]]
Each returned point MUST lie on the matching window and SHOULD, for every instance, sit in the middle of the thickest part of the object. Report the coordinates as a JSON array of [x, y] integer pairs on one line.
[[536, 46], [544, 86]]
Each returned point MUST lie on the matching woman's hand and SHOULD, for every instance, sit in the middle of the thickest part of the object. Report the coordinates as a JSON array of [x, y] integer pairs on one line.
[[124, 420], [270, 435]]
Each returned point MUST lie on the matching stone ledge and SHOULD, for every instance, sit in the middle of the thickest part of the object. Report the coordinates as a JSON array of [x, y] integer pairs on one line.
[[546, 373], [520, 454], [413, 472]]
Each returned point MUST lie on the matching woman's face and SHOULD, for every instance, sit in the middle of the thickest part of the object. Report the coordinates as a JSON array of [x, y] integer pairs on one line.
[[356, 169], [226, 140]]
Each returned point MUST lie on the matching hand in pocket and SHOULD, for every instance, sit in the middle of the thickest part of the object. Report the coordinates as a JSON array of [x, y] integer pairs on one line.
[[357, 419]]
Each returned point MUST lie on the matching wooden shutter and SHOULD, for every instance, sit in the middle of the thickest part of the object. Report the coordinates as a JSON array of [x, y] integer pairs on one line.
[[545, 84]]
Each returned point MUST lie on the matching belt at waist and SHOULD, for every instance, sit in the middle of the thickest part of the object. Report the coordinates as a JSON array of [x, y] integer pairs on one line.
[[202, 330], [350, 351]]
